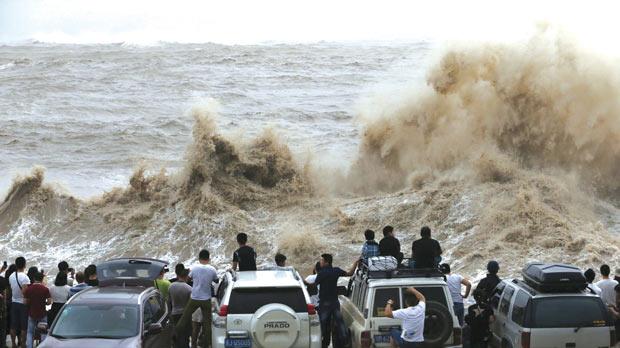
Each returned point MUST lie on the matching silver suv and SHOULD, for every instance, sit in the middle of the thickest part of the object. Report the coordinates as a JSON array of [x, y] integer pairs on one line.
[[266, 308], [527, 318]]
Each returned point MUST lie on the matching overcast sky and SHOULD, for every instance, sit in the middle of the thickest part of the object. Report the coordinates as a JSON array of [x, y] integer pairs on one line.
[[234, 21]]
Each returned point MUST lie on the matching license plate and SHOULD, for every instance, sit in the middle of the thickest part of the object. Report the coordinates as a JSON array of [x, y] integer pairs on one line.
[[382, 338], [238, 343]]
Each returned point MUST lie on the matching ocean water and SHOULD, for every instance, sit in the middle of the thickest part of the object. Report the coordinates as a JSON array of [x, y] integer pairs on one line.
[[91, 113], [508, 152]]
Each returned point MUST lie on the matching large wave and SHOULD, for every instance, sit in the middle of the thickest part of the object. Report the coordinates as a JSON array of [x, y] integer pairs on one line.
[[543, 104], [509, 153]]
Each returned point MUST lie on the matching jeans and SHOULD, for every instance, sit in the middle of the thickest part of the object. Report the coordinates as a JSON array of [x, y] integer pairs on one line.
[[183, 328], [32, 326], [395, 334], [329, 310], [459, 310], [400, 342]]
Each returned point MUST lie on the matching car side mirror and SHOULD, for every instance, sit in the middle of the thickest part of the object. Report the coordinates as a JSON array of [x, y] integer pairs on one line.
[[342, 290], [155, 329], [42, 327]]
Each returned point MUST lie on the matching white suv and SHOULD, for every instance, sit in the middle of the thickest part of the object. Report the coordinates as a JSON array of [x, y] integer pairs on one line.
[[528, 318], [266, 308], [368, 293]]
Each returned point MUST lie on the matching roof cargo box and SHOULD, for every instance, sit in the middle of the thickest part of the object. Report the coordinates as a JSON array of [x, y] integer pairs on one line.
[[554, 277]]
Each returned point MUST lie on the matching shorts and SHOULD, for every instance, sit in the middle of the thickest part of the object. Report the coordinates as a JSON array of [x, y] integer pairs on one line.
[[19, 317]]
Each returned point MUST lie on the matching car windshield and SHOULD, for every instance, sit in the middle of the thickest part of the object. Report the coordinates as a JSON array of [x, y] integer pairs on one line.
[[568, 312], [111, 321]]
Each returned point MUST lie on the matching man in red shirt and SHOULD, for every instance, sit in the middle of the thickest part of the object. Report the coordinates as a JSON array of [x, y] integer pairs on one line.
[[36, 297]]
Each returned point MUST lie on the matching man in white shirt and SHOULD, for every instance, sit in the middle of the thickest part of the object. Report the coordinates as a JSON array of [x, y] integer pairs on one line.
[[607, 285], [19, 311], [203, 276], [413, 319], [454, 285]]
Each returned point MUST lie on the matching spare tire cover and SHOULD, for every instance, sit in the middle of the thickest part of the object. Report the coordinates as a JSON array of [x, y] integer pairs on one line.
[[275, 326], [438, 324]]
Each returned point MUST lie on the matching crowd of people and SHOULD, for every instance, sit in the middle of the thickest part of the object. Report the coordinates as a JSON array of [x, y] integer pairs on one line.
[[25, 294]]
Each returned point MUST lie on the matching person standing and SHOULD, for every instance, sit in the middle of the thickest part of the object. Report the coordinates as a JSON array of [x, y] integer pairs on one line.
[[63, 267], [389, 245], [9, 296], [313, 289], [488, 284], [80, 278], [36, 296], [329, 306], [60, 293], [90, 273], [203, 275], [19, 312], [245, 257], [455, 282], [479, 318], [607, 286], [179, 295], [162, 284], [426, 251], [589, 274], [4, 284], [412, 335], [370, 247]]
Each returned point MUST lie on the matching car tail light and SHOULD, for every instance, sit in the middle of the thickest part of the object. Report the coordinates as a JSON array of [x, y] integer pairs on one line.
[[456, 336], [223, 311], [365, 339], [220, 321], [612, 338], [311, 309], [525, 339]]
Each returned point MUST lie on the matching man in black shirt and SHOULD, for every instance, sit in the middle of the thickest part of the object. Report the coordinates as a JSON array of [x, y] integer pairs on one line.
[[389, 245], [245, 256], [426, 252], [4, 284], [478, 319], [329, 306], [489, 283]]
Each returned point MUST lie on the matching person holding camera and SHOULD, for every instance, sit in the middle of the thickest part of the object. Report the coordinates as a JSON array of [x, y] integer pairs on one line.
[[412, 318]]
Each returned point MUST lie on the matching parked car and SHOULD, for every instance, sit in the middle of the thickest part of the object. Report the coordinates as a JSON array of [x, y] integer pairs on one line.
[[537, 313], [368, 292], [124, 311], [265, 308]]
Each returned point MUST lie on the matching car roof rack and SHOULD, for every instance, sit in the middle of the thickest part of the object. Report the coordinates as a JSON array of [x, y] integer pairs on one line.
[[402, 271]]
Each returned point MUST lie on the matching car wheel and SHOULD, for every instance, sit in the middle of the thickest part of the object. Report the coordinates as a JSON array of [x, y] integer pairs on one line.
[[438, 324]]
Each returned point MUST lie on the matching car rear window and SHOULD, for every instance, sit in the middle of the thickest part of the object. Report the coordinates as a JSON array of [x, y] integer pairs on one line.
[[565, 312], [248, 301], [433, 293]]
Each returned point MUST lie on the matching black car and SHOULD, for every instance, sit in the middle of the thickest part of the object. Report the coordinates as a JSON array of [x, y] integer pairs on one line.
[[124, 311]]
